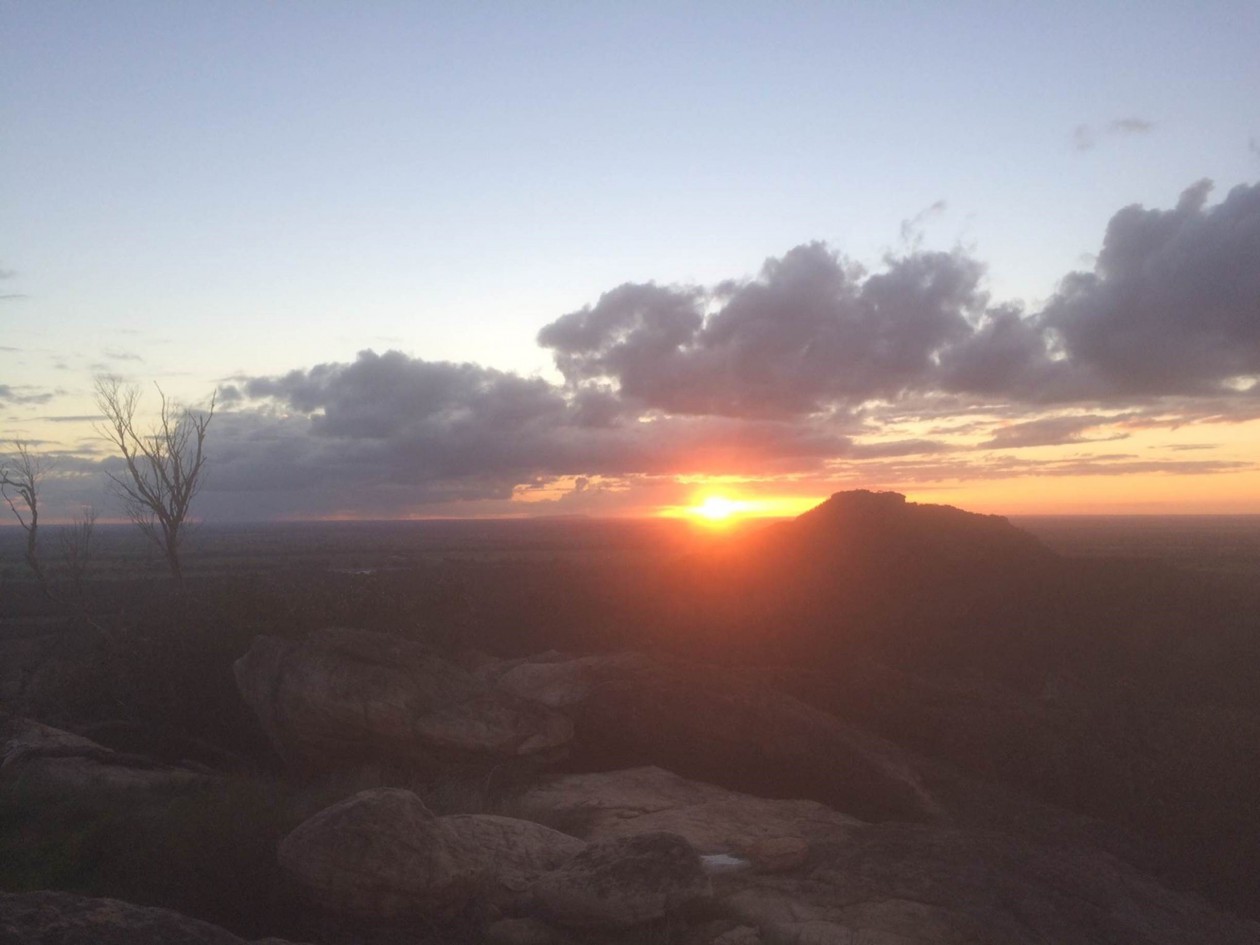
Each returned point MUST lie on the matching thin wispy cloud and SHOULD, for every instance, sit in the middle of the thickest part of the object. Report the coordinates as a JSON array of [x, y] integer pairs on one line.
[[1085, 137]]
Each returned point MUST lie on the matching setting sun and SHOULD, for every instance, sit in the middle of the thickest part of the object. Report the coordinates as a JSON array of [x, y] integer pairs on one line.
[[717, 508]]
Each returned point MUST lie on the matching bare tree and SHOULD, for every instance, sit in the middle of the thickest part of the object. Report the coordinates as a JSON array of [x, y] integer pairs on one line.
[[20, 478], [77, 549], [164, 462]]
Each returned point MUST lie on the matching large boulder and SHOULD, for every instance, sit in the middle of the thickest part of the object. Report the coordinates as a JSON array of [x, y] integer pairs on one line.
[[381, 854], [39, 753], [612, 804], [622, 882], [346, 696], [60, 918], [725, 726]]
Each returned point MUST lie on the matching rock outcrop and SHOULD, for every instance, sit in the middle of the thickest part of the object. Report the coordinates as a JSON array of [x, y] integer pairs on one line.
[[382, 854], [622, 882], [50, 756], [348, 696], [713, 820], [725, 726], [59, 918], [911, 884]]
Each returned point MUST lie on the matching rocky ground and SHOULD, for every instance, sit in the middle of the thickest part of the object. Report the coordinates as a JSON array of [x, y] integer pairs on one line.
[[806, 829]]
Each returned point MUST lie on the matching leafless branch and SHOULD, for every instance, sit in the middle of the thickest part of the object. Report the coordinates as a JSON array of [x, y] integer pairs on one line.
[[164, 464], [20, 477]]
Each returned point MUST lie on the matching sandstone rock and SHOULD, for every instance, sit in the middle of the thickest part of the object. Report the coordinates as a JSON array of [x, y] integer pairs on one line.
[[713, 820], [51, 756], [59, 918], [622, 882], [724, 726], [345, 696], [380, 854], [383, 854]]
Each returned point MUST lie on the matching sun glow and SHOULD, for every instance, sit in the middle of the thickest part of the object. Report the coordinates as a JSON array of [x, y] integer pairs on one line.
[[721, 508], [718, 508]]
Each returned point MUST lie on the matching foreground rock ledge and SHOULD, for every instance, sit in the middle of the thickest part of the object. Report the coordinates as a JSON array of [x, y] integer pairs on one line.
[[59, 918], [41, 754]]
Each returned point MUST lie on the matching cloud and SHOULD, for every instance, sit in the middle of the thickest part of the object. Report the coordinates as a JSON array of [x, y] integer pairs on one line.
[[23, 395], [813, 331], [1173, 303], [1087, 137], [1049, 431], [439, 430], [912, 229], [814, 368], [1169, 309], [1130, 126], [117, 354]]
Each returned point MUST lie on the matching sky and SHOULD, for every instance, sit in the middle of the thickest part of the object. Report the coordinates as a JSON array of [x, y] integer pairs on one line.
[[614, 258]]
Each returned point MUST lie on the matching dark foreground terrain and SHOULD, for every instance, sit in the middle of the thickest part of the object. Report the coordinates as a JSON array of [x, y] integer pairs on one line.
[[877, 723]]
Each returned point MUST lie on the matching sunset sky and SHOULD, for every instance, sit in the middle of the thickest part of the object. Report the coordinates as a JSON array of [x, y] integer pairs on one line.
[[559, 258]]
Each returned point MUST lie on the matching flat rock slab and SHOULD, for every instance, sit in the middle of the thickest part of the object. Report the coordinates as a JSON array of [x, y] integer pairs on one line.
[[714, 820]]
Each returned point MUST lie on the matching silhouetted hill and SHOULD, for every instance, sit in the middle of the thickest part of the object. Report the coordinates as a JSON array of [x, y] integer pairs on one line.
[[878, 530], [870, 574]]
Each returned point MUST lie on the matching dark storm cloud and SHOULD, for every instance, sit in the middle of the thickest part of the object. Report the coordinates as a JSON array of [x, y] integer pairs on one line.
[[813, 330]]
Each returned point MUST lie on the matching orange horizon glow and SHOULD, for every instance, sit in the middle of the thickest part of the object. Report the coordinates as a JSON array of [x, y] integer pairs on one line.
[[716, 509]]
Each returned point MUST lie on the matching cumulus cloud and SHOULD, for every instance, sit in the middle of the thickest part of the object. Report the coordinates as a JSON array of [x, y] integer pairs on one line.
[[444, 430], [1173, 303], [812, 331]]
